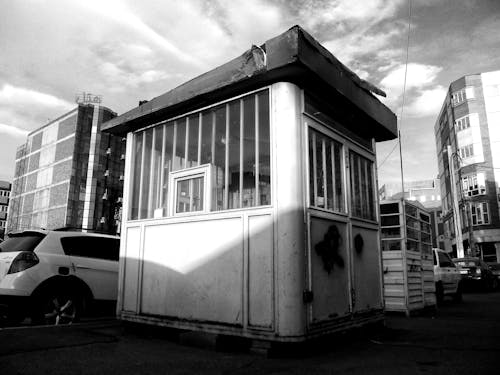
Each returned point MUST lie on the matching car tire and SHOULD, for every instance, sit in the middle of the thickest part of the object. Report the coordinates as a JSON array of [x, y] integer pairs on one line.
[[57, 307]]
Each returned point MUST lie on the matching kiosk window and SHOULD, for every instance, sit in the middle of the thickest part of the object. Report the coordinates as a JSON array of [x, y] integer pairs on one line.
[[325, 172], [233, 138], [362, 187]]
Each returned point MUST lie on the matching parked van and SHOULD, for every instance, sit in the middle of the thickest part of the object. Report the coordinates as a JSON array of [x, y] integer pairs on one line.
[[446, 276]]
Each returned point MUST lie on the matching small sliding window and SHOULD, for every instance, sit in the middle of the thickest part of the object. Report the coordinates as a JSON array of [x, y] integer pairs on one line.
[[190, 190]]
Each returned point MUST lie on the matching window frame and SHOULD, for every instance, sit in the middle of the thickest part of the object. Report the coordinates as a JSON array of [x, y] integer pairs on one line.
[[205, 171], [263, 183], [315, 126]]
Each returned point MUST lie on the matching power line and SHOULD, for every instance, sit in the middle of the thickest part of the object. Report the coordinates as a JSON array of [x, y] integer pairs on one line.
[[404, 98]]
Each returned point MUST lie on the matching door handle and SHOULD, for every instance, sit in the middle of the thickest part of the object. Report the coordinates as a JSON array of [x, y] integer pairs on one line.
[[82, 267]]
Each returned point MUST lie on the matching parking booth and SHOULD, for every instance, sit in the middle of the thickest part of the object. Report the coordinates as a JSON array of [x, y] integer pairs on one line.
[[407, 256], [250, 205]]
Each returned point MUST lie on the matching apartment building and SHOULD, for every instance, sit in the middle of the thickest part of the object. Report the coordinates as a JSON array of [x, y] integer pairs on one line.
[[5, 188], [69, 174], [467, 141]]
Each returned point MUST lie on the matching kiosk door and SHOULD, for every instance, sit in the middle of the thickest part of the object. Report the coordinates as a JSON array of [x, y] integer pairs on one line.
[[366, 292], [328, 227]]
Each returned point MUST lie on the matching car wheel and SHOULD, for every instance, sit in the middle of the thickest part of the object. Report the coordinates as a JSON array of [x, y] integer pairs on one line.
[[439, 293], [58, 308]]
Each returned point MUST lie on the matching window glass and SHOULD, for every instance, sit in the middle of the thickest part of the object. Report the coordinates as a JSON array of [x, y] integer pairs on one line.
[[391, 245], [264, 155], [136, 187], [180, 145], [234, 155], [193, 136], [168, 157], [362, 187], [248, 152], [234, 138], [445, 260], [219, 159], [325, 171], [21, 242], [92, 247], [155, 178], [146, 173], [190, 195]]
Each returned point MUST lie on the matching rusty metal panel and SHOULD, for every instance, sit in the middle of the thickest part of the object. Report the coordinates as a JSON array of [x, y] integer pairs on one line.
[[329, 270], [366, 270]]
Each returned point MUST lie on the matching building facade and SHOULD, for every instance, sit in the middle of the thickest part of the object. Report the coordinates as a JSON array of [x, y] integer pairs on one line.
[[467, 137], [69, 174], [5, 188]]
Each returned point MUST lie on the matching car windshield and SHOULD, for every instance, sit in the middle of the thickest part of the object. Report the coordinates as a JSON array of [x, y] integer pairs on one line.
[[21, 242]]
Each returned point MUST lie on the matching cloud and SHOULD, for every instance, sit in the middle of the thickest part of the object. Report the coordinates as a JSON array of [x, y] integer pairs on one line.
[[13, 131], [24, 108], [427, 103], [12, 96], [119, 12], [418, 76]]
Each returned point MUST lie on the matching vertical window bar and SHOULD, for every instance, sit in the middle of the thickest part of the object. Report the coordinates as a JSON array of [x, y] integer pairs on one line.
[[323, 171], [174, 146], [360, 184], [141, 187], [315, 181], [257, 158], [226, 174], [199, 139], [149, 212], [186, 145], [162, 169], [213, 138], [367, 190], [334, 184], [242, 136]]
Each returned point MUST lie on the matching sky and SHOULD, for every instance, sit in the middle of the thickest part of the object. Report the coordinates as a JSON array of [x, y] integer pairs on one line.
[[127, 51]]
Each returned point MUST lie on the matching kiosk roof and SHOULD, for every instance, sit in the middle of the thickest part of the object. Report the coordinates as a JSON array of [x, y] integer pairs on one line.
[[294, 56]]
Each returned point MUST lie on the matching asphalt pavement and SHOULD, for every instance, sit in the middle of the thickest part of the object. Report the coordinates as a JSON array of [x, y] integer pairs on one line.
[[460, 338]]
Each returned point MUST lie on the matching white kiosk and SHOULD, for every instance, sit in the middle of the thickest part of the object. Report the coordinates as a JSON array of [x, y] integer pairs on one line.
[[250, 203]]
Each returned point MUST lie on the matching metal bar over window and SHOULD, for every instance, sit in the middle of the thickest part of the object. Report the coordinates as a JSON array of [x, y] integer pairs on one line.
[[141, 185], [334, 183], [315, 183], [186, 145], [162, 169], [226, 156], [323, 171], [242, 137], [199, 139], [257, 158]]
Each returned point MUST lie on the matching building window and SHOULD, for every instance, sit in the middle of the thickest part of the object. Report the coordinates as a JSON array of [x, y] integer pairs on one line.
[[474, 185], [462, 123], [462, 95], [362, 187], [232, 138], [466, 151], [480, 214], [325, 172]]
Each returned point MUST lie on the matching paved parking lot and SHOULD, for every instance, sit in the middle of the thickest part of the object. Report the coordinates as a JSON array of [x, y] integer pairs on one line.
[[460, 338]]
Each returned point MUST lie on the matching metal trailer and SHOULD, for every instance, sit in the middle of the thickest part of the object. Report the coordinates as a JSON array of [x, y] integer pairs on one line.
[[407, 256], [250, 205]]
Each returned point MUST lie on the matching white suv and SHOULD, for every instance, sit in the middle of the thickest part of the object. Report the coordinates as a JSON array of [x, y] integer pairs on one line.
[[53, 276], [446, 276]]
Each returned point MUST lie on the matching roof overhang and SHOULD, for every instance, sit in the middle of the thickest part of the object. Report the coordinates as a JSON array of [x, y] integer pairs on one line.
[[293, 56]]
